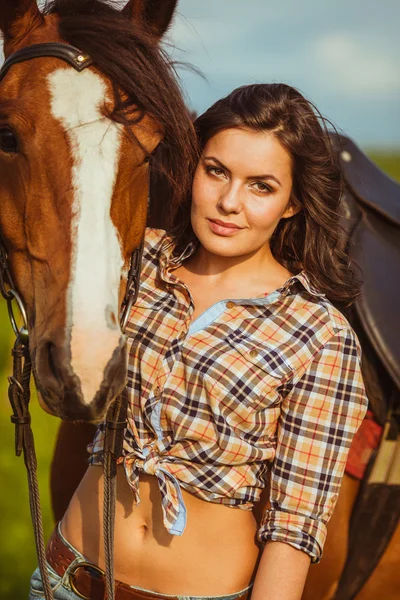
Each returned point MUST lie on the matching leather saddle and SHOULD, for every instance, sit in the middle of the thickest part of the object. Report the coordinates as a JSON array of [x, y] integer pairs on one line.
[[371, 218], [371, 210]]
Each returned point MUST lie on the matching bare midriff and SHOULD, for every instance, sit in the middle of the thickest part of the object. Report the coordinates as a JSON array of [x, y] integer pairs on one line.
[[216, 554]]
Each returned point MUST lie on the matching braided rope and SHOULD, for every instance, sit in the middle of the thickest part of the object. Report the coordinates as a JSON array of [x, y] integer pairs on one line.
[[19, 394], [113, 442], [110, 487]]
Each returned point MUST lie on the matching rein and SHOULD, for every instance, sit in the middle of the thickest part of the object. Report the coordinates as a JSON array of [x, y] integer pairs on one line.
[[19, 382]]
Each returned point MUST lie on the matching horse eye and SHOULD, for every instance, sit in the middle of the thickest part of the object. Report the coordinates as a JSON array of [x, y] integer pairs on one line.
[[8, 141]]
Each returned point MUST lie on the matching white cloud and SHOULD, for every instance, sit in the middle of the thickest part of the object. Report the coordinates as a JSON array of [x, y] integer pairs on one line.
[[356, 64]]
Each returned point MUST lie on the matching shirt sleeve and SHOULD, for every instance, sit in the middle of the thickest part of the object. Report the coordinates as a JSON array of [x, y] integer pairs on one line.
[[319, 418]]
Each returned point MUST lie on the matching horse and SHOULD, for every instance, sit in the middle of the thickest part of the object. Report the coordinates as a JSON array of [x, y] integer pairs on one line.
[[87, 94], [75, 150]]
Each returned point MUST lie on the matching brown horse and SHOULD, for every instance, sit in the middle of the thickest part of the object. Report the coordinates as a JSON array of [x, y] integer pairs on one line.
[[74, 163], [74, 151]]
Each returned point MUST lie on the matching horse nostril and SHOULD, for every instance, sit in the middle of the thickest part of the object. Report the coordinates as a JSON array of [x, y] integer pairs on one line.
[[49, 369], [52, 358]]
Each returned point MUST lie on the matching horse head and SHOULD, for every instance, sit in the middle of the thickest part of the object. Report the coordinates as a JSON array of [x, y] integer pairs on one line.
[[74, 165]]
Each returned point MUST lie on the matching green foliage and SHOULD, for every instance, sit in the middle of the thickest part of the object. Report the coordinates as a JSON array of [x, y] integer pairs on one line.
[[388, 162]]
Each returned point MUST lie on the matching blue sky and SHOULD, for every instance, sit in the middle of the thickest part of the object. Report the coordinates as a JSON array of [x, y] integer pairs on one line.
[[342, 54]]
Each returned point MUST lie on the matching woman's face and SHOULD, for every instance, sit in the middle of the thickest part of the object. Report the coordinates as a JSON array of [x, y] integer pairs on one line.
[[241, 190]]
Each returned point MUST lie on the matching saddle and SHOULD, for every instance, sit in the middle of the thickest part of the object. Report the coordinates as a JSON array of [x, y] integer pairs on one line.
[[371, 218], [371, 204]]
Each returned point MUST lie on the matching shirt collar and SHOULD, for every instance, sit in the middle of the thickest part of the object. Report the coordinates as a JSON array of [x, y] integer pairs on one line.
[[168, 259], [305, 281]]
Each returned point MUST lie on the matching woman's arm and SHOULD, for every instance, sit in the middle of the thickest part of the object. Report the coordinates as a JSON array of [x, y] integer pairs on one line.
[[281, 573], [319, 417]]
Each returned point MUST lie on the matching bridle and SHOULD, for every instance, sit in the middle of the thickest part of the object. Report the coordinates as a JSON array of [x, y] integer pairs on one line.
[[19, 389]]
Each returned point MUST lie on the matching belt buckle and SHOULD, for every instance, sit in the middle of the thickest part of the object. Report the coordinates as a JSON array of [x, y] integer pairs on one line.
[[72, 574]]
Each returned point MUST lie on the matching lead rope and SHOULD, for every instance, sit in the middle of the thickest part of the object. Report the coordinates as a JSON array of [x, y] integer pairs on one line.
[[19, 396], [115, 425]]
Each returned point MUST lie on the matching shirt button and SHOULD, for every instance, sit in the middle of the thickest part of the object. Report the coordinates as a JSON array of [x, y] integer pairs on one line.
[[157, 391], [230, 304], [253, 353], [182, 336]]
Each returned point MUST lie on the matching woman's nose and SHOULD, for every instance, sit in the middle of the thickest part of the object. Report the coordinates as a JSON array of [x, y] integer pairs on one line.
[[229, 200]]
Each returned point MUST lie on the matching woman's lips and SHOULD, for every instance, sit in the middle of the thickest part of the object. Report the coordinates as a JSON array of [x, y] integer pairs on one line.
[[221, 228]]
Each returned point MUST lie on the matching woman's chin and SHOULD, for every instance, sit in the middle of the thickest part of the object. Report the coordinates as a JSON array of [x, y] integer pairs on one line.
[[222, 246]]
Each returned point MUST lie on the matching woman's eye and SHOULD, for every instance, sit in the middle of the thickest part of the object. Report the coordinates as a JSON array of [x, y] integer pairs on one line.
[[262, 187], [215, 171], [8, 141]]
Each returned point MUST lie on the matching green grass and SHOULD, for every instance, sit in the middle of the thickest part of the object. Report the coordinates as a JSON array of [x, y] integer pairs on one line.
[[387, 161], [17, 554]]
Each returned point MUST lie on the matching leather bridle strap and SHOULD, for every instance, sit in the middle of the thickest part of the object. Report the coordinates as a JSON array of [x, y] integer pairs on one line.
[[19, 383], [69, 54]]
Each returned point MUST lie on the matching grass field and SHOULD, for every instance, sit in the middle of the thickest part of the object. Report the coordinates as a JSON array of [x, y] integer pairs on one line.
[[17, 555]]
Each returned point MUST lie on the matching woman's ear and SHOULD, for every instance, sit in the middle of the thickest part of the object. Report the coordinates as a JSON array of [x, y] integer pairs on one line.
[[291, 210]]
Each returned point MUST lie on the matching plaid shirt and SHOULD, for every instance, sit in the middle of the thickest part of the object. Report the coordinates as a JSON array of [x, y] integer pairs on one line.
[[254, 389]]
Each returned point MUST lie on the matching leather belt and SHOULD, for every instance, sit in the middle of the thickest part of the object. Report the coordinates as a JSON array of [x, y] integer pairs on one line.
[[88, 580]]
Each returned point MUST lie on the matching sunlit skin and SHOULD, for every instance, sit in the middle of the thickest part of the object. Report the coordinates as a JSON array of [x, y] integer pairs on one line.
[[244, 178]]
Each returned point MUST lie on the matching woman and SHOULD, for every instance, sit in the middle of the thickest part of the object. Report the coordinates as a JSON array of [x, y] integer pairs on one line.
[[241, 372]]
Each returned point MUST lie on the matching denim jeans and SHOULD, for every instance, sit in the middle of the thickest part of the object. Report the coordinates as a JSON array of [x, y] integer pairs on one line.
[[63, 591]]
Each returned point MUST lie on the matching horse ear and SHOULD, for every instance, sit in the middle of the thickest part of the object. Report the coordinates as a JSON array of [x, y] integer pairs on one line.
[[156, 14], [17, 18]]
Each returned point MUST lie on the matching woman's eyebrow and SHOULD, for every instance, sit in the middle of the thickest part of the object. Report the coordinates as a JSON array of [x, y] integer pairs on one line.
[[269, 176], [220, 164]]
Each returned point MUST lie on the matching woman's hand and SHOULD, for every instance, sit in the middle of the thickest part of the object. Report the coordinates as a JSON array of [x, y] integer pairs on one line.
[[281, 573]]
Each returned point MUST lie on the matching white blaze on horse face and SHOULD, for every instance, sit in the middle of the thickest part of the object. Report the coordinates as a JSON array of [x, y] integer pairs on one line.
[[76, 102]]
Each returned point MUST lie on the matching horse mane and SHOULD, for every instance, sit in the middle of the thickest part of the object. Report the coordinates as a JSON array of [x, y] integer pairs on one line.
[[143, 76]]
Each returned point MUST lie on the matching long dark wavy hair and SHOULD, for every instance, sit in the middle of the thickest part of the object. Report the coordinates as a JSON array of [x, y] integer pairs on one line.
[[312, 239], [143, 78]]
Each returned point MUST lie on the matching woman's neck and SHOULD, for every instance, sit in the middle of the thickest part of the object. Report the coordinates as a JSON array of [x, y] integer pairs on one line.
[[254, 269]]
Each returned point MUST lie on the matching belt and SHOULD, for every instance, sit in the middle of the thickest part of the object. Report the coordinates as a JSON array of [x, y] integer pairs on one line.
[[88, 580]]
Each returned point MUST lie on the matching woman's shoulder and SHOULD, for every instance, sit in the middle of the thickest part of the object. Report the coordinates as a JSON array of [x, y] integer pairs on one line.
[[319, 306], [154, 241], [305, 321], [157, 242], [154, 238]]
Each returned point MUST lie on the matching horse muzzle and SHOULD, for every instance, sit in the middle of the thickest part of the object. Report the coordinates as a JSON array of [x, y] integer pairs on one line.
[[61, 388]]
